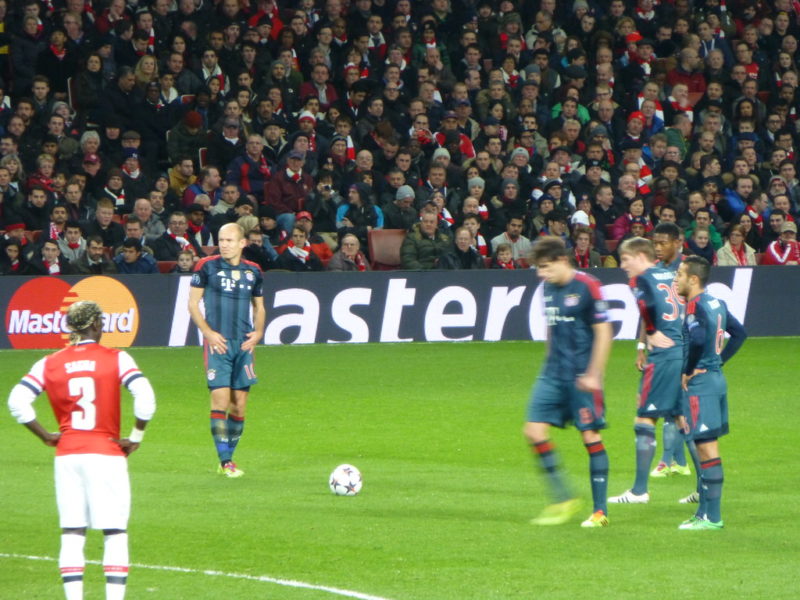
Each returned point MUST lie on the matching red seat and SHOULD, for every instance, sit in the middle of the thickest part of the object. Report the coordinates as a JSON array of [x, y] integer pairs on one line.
[[203, 157], [187, 98], [208, 250], [384, 248], [611, 245], [165, 266]]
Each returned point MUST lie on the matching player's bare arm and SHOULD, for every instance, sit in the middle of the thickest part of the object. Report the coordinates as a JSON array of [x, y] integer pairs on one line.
[[641, 346], [592, 380], [259, 319], [216, 342], [49, 438]]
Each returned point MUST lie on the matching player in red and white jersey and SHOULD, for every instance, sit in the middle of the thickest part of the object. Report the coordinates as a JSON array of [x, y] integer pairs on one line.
[[91, 471]]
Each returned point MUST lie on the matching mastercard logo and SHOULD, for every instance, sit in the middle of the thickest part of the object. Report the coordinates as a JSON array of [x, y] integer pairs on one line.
[[36, 316]]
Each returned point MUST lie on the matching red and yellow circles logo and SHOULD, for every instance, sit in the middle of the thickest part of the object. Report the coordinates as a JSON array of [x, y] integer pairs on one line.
[[37, 313]]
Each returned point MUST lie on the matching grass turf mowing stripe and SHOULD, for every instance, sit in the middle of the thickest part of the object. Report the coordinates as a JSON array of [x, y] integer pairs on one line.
[[212, 573]]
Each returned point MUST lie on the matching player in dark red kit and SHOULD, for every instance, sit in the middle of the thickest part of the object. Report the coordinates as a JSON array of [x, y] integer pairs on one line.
[[91, 470]]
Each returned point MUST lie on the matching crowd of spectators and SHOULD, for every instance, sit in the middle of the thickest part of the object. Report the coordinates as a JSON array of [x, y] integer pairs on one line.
[[131, 131]]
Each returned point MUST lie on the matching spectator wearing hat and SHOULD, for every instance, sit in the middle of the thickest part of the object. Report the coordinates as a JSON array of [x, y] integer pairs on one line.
[[640, 65], [58, 61], [323, 203], [251, 171], [153, 120], [318, 245], [400, 214], [115, 192], [287, 190], [358, 215], [449, 125], [784, 250], [298, 255], [268, 225], [225, 146], [134, 179], [196, 227]]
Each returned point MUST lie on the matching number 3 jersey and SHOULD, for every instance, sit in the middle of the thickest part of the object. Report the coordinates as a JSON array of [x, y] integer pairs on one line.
[[82, 383], [661, 308]]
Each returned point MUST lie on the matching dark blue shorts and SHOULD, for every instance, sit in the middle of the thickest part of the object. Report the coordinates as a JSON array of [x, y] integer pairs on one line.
[[234, 369], [706, 406], [660, 389], [559, 402]]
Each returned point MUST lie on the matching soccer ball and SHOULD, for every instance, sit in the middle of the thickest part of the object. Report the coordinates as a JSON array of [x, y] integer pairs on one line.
[[345, 480]]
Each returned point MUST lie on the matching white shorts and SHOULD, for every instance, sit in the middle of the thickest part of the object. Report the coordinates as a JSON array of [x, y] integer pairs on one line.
[[93, 490]]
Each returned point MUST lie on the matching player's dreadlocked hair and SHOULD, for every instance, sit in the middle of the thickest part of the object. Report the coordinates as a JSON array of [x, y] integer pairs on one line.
[[81, 316]]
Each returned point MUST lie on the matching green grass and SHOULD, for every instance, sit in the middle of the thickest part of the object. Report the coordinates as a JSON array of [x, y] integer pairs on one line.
[[449, 484]]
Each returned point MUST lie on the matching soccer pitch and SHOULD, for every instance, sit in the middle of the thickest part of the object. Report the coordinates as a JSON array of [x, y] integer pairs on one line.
[[449, 485]]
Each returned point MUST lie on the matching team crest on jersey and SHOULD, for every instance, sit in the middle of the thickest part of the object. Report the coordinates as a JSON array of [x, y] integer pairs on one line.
[[249, 275], [236, 275], [211, 374], [572, 300]]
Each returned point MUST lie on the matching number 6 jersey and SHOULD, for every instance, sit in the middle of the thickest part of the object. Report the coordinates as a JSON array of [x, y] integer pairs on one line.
[[82, 383]]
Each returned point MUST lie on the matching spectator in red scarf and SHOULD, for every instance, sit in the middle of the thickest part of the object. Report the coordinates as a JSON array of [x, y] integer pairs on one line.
[[736, 252], [349, 257], [584, 256], [784, 250]]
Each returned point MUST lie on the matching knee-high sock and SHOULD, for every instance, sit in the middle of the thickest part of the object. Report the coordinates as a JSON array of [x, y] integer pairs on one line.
[[235, 429], [669, 441], [219, 431], [692, 447], [115, 565], [71, 562], [645, 450], [598, 475], [549, 461], [711, 479]]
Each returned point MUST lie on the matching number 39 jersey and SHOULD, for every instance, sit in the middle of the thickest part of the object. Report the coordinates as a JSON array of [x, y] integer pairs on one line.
[[661, 308], [82, 383]]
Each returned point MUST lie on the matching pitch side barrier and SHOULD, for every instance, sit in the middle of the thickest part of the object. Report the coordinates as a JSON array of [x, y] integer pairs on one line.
[[395, 306]]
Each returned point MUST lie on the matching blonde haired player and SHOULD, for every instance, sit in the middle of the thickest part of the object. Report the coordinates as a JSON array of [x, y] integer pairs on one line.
[[91, 470]]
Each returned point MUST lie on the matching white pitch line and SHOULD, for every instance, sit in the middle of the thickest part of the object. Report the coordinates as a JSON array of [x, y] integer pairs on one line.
[[212, 573]]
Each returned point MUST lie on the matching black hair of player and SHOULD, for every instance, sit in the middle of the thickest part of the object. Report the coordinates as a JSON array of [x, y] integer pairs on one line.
[[699, 267], [671, 230]]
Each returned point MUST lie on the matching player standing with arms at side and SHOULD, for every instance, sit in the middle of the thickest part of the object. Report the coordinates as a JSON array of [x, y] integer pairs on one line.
[[659, 388], [229, 287], [705, 390], [91, 469], [668, 246], [570, 386]]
